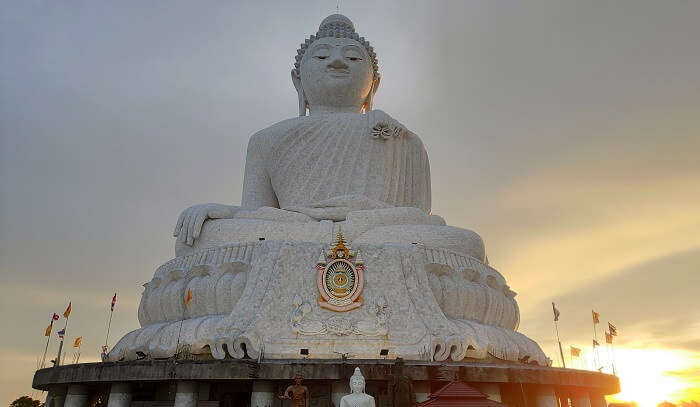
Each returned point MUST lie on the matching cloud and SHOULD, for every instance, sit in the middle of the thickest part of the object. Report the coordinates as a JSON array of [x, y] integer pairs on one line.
[[652, 304]]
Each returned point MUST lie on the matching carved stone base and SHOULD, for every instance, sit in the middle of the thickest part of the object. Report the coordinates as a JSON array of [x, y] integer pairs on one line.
[[408, 307]]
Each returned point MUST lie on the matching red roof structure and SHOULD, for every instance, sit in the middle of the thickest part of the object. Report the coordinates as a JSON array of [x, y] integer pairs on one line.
[[458, 394]]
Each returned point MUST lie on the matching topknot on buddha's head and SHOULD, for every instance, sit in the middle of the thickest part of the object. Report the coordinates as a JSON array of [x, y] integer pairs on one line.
[[336, 26]]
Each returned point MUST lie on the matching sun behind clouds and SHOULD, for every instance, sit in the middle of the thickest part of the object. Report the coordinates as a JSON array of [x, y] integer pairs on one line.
[[651, 376]]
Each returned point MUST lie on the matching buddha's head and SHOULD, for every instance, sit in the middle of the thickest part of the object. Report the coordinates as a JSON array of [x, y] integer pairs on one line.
[[335, 70], [357, 382]]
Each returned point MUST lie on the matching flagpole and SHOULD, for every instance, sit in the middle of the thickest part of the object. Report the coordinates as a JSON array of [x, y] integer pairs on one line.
[[596, 359], [109, 325], [561, 352], [60, 346], [613, 359], [188, 297], [178, 333], [607, 346], [43, 359]]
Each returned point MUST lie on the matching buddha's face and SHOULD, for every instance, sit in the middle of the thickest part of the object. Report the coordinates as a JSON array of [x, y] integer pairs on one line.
[[357, 385], [336, 72]]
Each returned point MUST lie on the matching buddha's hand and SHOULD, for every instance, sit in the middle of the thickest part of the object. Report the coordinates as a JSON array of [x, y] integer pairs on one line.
[[189, 224], [337, 208], [384, 126]]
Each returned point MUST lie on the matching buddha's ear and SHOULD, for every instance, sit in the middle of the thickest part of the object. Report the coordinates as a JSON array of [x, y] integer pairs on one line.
[[370, 97], [375, 82], [296, 80]]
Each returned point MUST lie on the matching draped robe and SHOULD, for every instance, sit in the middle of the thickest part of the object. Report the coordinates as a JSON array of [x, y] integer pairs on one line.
[[303, 162]]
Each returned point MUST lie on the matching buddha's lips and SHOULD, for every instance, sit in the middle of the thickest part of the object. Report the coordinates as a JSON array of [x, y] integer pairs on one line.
[[338, 73]]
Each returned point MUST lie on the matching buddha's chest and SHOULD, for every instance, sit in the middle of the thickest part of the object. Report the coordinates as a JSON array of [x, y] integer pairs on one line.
[[314, 163]]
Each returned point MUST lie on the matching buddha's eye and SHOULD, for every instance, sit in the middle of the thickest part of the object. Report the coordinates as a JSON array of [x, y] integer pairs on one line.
[[321, 53], [353, 54]]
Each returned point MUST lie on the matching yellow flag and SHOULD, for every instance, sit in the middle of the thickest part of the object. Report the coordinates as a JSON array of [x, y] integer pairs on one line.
[[67, 313], [48, 329], [189, 297], [77, 341]]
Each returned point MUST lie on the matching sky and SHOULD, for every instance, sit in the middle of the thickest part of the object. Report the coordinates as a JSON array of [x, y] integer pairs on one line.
[[566, 134]]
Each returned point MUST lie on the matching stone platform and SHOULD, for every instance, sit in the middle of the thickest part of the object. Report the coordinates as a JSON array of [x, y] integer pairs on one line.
[[212, 382]]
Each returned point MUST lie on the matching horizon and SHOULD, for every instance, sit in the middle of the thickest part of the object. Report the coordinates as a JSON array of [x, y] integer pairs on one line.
[[566, 135]]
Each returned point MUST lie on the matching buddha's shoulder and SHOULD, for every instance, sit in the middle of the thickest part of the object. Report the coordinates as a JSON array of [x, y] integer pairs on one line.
[[275, 131], [289, 129]]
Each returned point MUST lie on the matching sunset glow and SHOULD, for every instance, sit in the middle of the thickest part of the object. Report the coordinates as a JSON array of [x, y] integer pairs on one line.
[[647, 376], [565, 134]]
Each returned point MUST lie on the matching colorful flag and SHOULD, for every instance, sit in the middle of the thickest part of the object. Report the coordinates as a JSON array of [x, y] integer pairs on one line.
[[114, 301], [608, 337], [189, 297], [77, 342], [595, 343], [67, 313], [49, 328], [55, 317], [596, 317], [613, 329], [556, 312], [61, 333], [575, 352]]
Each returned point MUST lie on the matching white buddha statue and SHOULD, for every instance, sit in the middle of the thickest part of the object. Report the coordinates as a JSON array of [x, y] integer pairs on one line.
[[344, 162], [358, 397], [426, 292]]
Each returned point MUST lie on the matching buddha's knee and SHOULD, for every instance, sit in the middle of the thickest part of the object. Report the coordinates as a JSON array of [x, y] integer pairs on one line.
[[218, 232], [459, 240]]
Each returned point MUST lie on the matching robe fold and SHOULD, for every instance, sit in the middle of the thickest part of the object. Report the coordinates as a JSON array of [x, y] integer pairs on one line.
[[312, 159]]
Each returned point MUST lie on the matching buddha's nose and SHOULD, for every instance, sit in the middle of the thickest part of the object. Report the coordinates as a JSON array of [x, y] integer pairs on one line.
[[337, 62]]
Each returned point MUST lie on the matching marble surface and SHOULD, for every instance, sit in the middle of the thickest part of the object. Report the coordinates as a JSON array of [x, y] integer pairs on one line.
[[429, 292], [414, 306]]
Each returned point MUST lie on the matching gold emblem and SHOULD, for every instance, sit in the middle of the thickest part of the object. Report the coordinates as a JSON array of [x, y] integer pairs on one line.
[[340, 277]]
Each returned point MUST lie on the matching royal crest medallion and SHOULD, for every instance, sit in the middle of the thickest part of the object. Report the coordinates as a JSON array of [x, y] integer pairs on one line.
[[340, 277]]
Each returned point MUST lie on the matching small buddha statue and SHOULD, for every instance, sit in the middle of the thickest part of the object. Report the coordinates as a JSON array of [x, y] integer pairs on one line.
[[358, 397]]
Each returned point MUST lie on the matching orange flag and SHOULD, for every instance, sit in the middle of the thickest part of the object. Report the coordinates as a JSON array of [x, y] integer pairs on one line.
[[596, 317], [77, 342], [189, 297], [48, 329], [608, 337], [575, 352], [67, 313]]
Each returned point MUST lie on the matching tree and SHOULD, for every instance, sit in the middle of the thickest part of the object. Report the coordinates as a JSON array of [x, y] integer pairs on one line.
[[26, 401]]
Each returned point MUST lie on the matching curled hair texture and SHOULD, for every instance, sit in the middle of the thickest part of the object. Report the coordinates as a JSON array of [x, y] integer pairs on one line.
[[336, 26]]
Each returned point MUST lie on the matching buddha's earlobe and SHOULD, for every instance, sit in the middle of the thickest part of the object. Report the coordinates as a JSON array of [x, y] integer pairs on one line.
[[303, 103], [367, 106]]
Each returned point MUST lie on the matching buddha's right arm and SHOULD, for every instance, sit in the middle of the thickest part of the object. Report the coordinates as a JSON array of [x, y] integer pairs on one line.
[[189, 224], [257, 187], [257, 192]]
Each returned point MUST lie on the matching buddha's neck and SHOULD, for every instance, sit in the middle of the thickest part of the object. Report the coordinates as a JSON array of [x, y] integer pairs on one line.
[[325, 109]]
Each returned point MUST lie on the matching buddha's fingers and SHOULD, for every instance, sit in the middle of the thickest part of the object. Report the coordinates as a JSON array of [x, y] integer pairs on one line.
[[199, 222], [189, 228], [178, 224]]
